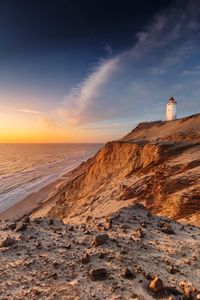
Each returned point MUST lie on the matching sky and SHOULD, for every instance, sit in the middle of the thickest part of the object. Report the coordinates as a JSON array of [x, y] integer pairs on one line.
[[90, 71]]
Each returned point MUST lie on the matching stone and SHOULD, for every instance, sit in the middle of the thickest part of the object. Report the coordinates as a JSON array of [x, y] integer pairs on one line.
[[128, 274], [21, 227], [11, 226], [54, 276], [139, 233], [144, 224], [101, 255], [167, 229], [38, 245], [124, 226], [7, 242], [85, 259], [67, 246], [147, 275], [26, 219], [101, 239], [51, 222], [174, 291], [156, 285], [98, 274], [173, 270], [55, 264], [71, 228]]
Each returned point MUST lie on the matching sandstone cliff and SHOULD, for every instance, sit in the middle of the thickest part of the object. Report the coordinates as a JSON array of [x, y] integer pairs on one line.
[[157, 164]]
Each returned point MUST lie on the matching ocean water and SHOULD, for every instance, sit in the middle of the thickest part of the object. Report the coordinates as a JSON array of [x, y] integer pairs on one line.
[[26, 168]]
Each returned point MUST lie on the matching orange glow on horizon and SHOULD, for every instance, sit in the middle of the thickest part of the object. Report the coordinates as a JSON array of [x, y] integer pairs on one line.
[[30, 128]]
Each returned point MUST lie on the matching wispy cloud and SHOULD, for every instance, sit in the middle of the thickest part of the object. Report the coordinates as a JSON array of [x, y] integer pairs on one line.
[[89, 90], [119, 85], [27, 111]]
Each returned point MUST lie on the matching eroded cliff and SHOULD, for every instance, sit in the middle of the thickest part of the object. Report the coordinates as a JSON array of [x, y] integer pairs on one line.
[[157, 164]]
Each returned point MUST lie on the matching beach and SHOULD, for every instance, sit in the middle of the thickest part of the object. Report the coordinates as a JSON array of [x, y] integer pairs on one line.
[[35, 173], [31, 202]]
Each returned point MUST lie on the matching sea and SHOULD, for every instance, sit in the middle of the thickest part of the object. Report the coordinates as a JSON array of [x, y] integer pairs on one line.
[[26, 168]]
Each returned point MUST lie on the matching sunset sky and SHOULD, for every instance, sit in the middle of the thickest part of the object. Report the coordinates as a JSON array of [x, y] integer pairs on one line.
[[89, 71]]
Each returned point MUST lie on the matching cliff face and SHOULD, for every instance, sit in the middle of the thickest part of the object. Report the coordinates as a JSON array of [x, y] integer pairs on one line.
[[157, 164]]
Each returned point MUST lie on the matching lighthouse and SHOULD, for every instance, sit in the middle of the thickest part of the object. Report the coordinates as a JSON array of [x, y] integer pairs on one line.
[[171, 110]]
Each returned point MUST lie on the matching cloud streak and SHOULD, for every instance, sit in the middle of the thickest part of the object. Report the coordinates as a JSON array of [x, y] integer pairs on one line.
[[117, 86], [27, 111]]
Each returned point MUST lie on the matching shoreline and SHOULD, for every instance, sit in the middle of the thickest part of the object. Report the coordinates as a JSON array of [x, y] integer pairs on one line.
[[38, 203], [32, 201]]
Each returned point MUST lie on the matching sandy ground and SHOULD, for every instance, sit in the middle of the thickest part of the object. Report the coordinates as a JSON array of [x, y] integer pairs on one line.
[[51, 260], [31, 202]]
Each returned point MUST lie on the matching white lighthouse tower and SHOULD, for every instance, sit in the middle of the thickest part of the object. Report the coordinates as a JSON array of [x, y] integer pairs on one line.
[[171, 109]]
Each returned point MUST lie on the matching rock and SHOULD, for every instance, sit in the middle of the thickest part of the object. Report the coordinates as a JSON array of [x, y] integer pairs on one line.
[[147, 275], [144, 224], [188, 292], [11, 226], [124, 226], [128, 274], [98, 274], [167, 229], [37, 220], [21, 227], [174, 291], [139, 233], [38, 245], [55, 264], [156, 285], [26, 219], [100, 239], [101, 255], [173, 270], [7, 242], [67, 246], [54, 276], [123, 251], [51, 222], [85, 259]]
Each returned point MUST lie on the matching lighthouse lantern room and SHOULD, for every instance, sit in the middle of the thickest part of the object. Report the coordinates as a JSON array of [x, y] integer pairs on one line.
[[171, 109]]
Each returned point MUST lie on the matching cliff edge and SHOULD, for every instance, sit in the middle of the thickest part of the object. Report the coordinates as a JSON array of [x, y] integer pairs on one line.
[[156, 164]]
